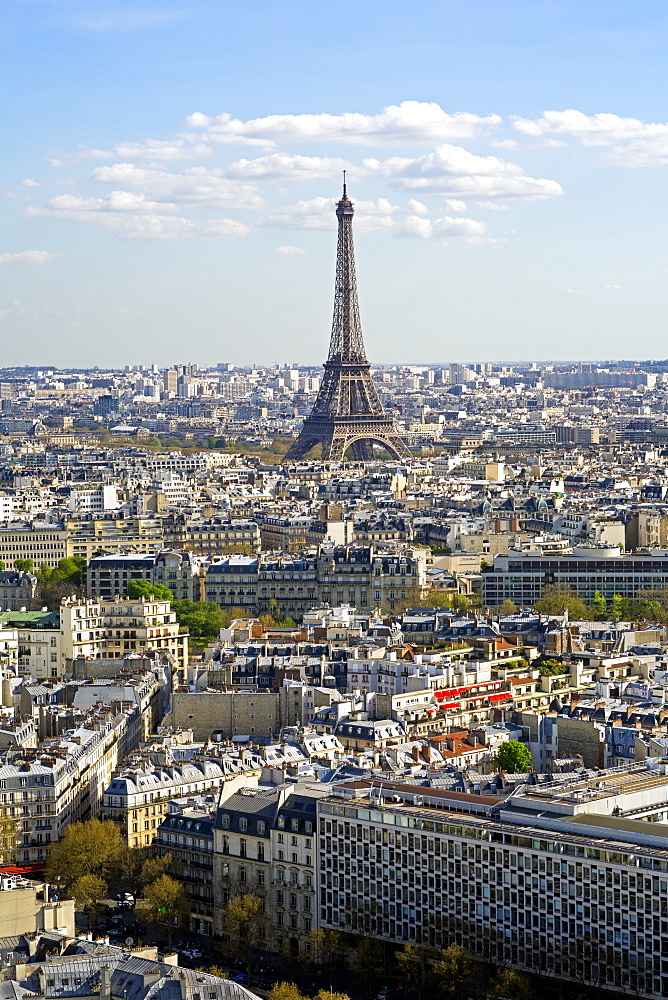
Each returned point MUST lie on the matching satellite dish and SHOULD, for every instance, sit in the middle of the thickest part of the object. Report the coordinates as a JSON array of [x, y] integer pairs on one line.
[[129, 942]]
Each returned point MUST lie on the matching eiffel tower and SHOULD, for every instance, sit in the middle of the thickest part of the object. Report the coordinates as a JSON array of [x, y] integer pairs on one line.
[[347, 413]]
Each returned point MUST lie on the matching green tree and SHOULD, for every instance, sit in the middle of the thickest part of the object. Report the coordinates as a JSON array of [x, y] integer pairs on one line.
[[513, 756], [203, 620], [244, 923], [599, 607], [24, 565], [167, 902], [65, 579], [323, 994], [510, 984], [507, 608], [558, 598], [144, 588], [453, 970], [551, 667], [90, 848], [460, 602], [616, 606]]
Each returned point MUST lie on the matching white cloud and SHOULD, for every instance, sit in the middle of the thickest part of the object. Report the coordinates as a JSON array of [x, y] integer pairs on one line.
[[504, 143], [456, 171], [290, 251], [183, 147], [575, 291], [117, 201], [611, 288], [30, 183], [636, 143], [410, 121], [129, 217], [318, 213], [282, 165], [455, 205], [416, 207], [27, 257], [194, 186]]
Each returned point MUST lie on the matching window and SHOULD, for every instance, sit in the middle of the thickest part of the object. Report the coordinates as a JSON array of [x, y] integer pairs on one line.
[[243, 824]]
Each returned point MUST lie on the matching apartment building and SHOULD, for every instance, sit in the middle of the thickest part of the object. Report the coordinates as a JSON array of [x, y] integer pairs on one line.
[[39, 541], [138, 797], [87, 500], [91, 533], [112, 629], [17, 590], [186, 832], [62, 780], [265, 844], [522, 576], [215, 536], [361, 575], [38, 642], [109, 575], [551, 879]]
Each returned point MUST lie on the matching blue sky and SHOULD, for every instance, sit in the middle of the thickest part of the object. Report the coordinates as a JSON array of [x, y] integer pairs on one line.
[[169, 172]]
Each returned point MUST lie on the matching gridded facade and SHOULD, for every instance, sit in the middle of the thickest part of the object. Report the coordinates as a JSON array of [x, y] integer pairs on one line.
[[579, 907], [522, 579]]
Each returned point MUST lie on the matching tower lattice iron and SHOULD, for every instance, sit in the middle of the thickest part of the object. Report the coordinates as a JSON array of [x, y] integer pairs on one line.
[[347, 413]]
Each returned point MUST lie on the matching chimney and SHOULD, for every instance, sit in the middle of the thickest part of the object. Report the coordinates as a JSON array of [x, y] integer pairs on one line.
[[105, 983]]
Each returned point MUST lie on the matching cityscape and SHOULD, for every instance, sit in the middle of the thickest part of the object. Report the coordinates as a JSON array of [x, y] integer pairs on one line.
[[337, 679]]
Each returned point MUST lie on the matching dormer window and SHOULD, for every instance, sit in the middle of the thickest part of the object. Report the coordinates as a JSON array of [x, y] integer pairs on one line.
[[260, 827], [281, 823], [243, 824], [225, 822]]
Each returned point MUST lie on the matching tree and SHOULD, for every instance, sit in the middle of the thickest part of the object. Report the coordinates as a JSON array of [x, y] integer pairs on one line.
[[87, 891], [551, 667], [558, 598], [616, 605], [286, 991], [144, 588], [368, 961], [202, 620], [599, 606], [513, 756], [66, 579], [507, 608], [461, 602], [153, 868], [510, 984], [167, 902], [330, 995], [244, 922], [90, 848], [453, 970], [414, 967], [24, 565], [326, 945]]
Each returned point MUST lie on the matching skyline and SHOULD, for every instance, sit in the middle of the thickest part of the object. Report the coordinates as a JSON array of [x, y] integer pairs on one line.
[[174, 173]]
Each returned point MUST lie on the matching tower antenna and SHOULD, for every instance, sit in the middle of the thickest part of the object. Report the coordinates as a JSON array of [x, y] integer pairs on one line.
[[344, 184]]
